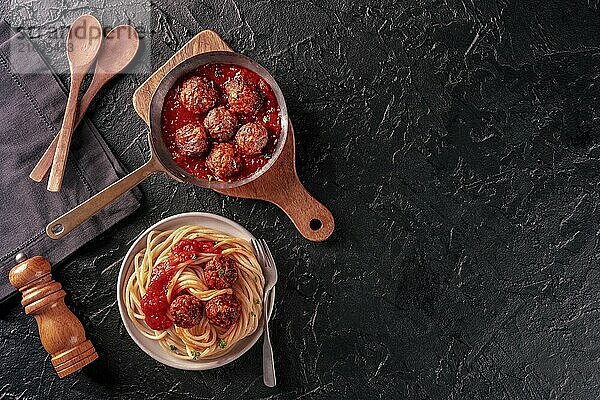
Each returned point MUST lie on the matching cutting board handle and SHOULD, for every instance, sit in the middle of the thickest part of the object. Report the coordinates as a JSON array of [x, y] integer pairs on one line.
[[281, 186], [312, 219]]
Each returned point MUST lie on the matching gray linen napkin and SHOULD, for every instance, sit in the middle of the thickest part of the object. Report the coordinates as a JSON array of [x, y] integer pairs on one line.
[[31, 111]]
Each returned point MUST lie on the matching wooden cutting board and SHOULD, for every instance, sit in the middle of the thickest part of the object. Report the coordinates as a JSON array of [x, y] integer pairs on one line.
[[279, 185]]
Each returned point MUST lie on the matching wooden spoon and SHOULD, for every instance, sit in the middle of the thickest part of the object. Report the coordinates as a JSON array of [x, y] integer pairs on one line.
[[83, 44], [119, 48]]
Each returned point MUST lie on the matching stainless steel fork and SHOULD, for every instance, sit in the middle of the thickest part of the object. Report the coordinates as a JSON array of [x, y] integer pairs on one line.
[[265, 259]]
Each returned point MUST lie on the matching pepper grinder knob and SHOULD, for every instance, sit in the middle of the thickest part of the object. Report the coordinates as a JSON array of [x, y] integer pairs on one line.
[[61, 333]]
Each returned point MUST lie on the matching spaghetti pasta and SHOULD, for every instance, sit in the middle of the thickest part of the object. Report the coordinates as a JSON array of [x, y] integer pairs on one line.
[[204, 340]]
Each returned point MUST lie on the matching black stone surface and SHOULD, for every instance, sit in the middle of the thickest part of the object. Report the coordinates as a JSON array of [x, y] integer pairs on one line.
[[457, 145]]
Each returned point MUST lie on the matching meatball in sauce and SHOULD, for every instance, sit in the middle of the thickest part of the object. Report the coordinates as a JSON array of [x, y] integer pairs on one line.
[[198, 94], [221, 98], [242, 96], [186, 311], [223, 160], [223, 310], [220, 273], [192, 140], [252, 138], [221, 124]]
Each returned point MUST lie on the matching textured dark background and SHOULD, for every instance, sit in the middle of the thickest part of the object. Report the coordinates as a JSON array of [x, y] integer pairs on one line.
[[456, 143]]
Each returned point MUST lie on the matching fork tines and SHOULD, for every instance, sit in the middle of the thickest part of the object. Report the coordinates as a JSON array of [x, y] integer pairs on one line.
[[258, 251], [268, 257]]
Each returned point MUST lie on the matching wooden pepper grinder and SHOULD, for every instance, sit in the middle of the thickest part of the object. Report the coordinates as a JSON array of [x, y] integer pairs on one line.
[[61, 332]]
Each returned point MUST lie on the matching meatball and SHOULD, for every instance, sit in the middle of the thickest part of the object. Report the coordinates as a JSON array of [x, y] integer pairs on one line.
[[221, 124], [252, 138], [223, 160], [242, 96], [198, 94], [220, 273], [186, 311], [192, 139], [223, 310]]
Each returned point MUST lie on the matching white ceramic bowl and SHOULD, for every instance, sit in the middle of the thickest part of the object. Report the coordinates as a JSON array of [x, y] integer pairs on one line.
[[151, 347]]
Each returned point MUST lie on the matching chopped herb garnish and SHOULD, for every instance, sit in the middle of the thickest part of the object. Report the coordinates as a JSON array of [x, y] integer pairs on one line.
[[234, 163], [256, 301], [217, 127], [218, 73], [210, 177], [265, 119], [221, 272], [222, 343], [267, 156], [195, 355], [172, 347], [252, 313], [255, 278]]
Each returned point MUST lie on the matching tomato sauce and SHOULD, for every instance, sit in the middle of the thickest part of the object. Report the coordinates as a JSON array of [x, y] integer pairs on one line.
[[175, 116], [154, 304]]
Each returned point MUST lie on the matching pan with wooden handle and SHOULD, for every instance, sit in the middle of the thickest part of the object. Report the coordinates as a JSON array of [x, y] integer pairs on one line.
[[276, 181]]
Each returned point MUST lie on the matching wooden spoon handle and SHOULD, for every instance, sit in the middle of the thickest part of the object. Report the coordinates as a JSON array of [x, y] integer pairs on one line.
[[64, 136], [43, 166], [86, 210]]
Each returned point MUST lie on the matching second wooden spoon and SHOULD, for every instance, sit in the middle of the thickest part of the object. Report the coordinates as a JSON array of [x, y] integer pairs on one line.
[[83, 44], [119, 48]]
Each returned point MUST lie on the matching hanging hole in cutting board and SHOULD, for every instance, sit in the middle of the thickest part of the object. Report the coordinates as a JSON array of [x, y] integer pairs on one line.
[[315, 224]]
